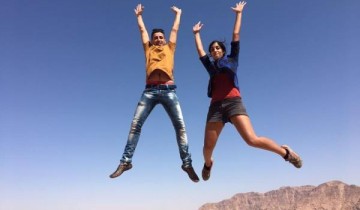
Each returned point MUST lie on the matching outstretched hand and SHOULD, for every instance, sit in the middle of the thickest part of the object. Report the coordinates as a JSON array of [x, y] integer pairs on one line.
[[197, 27], [239, 7], [139, 9], [176, 10]]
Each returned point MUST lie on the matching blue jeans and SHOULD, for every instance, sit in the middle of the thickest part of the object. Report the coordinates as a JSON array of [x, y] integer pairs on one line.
[[149, 99]]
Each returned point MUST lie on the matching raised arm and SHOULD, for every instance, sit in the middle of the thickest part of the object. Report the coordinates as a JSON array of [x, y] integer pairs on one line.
[[144, 34], [199, 46], [175, 27], [238, 10]]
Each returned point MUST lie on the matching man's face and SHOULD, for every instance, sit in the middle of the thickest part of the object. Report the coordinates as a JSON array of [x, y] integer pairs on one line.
[[158, 39]]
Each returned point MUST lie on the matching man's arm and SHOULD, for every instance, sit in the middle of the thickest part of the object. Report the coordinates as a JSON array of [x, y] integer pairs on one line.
[[175, 27], [238, 10], [144, 34], [199, 46]]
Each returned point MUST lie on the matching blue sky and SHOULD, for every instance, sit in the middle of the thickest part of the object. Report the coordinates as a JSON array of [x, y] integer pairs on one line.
[[71, 74]]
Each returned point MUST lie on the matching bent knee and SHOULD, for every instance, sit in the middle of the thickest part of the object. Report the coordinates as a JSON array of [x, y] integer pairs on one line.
[[253, 141]]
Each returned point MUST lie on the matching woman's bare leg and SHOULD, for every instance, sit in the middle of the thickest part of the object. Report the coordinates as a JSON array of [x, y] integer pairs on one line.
[[212, 132], [243, 125]]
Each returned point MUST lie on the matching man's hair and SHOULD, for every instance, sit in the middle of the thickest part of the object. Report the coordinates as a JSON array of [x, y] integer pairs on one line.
[[156, 30]]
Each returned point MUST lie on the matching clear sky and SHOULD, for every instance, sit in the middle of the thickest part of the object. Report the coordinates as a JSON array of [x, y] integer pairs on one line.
[[72, 72]]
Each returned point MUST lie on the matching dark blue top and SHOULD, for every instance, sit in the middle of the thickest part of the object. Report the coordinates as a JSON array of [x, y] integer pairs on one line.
[[227, 64]]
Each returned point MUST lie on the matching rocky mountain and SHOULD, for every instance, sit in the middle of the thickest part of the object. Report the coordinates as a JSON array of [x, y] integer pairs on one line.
[[334, 195]]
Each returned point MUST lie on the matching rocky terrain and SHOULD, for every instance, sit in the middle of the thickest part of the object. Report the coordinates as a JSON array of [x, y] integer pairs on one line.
[[334, 195]]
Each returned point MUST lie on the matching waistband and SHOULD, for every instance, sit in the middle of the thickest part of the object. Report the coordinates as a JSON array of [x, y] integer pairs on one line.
[[161, 87]]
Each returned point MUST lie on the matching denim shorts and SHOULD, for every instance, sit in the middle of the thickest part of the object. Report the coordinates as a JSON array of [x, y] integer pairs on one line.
[[221, 111]]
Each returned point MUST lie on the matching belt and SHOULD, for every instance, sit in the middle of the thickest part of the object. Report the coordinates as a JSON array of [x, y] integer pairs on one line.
[[161, 87]]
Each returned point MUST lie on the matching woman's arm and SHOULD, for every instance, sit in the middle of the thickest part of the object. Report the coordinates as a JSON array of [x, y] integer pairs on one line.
[[199, 46], [238, 10]]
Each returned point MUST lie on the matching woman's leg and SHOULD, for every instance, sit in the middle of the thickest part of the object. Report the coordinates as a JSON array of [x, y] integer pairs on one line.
[[243, 125], [212, 132]]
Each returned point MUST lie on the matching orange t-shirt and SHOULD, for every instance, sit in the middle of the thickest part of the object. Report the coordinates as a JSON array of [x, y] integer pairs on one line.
[[160, 57]]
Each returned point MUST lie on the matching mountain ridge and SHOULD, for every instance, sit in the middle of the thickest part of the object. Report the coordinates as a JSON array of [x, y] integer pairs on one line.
[[332, 195]]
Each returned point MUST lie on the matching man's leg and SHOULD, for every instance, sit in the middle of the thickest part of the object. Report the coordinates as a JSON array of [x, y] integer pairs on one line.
[[173, 109], [143, 109]]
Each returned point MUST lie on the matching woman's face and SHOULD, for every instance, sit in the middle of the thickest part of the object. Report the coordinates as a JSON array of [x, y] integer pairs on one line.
[[216, 51]]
